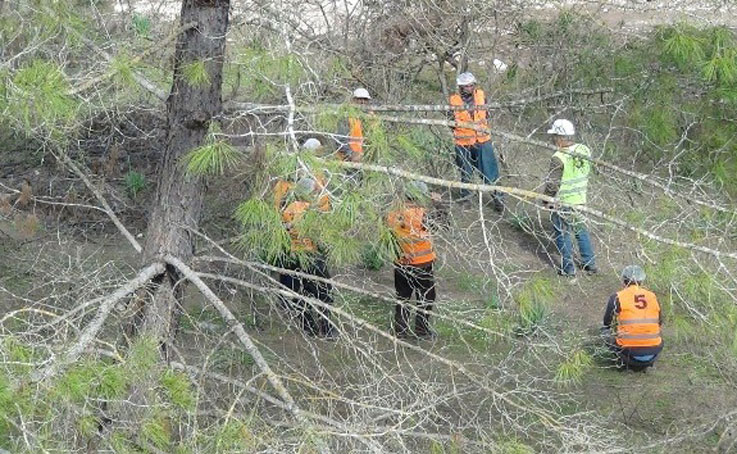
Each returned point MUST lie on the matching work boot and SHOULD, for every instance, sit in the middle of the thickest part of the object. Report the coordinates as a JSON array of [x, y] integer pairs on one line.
[[590, 269], [498, 205], [562, 273], [422, 326], [401, 322]]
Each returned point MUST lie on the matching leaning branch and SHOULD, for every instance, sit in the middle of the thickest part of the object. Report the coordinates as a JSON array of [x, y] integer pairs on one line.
[[100, 198], [232, 106], [531, 196], [647, 179], [94, 327], [545, 417]]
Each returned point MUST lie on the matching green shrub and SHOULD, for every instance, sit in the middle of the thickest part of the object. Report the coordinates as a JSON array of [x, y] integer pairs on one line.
[[135, 182]]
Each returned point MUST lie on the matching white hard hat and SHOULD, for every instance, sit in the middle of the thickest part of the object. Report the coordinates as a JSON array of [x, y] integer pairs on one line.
[[311, 144], [361, 93], [562, 127], [499, 65], [465, 79]]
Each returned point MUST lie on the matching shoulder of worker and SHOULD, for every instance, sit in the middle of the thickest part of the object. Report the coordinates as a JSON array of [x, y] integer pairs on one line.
[[579, 148]]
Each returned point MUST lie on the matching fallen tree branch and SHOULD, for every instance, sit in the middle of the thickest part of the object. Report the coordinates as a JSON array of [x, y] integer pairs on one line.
[[100, 198], [351, 288], [94, 327], [140, 79], [545, 417], [233, 106], [528, 196], [647, 179], [348, 430], [243, 337]]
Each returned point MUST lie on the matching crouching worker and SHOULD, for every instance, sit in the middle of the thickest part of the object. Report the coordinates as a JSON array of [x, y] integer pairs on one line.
[[632, 322], [306, 257], [413, 273]]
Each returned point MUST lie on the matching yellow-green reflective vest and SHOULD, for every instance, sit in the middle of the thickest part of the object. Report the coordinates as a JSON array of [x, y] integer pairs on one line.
[[575, 175]]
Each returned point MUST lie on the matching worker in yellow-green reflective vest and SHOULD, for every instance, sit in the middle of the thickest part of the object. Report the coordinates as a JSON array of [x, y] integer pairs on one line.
[[567, 182]]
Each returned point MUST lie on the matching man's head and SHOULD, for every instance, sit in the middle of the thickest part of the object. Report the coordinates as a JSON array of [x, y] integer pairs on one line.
[[633, 275], [361, 96], [466, 82], [562, 132], [416, 191], [305, 189]]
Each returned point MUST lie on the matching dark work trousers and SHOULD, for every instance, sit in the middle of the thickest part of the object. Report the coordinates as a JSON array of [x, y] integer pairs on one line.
[[314, 320], [627, 357], [417, 280]]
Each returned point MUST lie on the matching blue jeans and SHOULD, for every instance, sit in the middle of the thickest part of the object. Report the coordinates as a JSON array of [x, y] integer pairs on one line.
[[480, 156], [565, 222]]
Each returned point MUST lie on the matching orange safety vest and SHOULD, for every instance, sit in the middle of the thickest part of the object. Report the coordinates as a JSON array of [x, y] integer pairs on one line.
[[638, 320], [414, 239], [466, 136], [281, 189], [355, 139], [291, 214]]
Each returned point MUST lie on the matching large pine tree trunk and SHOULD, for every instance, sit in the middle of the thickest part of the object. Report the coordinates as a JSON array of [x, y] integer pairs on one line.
[[178, 202]]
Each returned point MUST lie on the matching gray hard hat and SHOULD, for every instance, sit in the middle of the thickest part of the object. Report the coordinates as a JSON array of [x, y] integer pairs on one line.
[[633, 273], [416, 190], [305, 188]]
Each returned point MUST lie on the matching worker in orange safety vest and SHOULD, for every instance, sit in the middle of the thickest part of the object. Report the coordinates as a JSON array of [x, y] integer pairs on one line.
[[306, 257], [413, 268], [632, 322], [473, 148], [351, 132]]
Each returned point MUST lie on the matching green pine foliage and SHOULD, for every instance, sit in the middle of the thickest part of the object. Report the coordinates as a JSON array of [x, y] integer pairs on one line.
[[135, 182], [571, 371], [263, 235], [533, 301], [178, 389], [141, 25], [214, 158], [37, 97], [122, 67], [263, 72], [195, 73]]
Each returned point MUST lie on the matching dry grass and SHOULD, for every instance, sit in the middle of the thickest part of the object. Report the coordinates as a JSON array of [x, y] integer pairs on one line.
[[26, 194], [27, 224], [5, 207]]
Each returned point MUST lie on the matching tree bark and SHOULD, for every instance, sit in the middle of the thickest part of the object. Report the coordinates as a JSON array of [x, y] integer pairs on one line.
[[178, 201]]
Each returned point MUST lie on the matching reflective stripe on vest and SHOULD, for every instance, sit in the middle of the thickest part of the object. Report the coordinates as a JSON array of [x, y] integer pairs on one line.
[[640, 336], [355, 139], [411, 234], [574, 182], [467, 136], [638, 319]]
